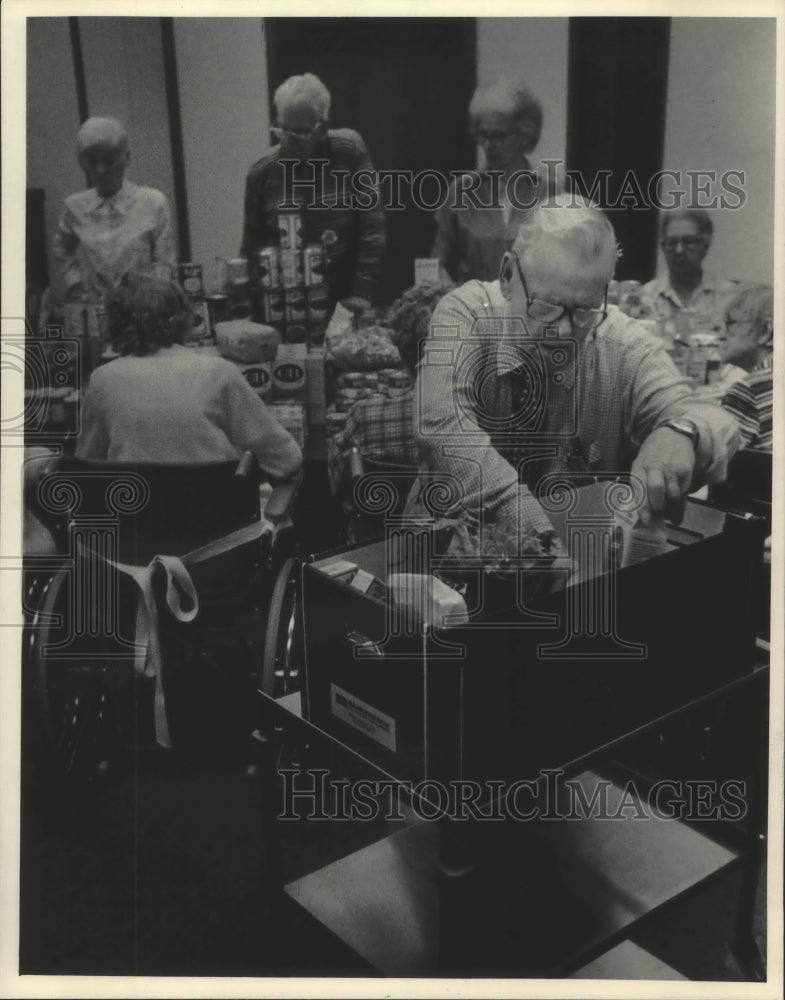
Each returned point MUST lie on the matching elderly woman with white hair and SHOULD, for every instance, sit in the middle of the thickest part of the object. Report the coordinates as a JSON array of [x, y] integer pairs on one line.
[[748, 342], [479, 221], [115, 226], [322, 163]]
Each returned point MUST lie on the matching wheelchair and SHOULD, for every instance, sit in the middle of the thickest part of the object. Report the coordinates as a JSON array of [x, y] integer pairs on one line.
[[147, 629]]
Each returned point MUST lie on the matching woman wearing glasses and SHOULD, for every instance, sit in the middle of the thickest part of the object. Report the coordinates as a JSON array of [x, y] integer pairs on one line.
[[322, 165], [686, 292], [505, 119]]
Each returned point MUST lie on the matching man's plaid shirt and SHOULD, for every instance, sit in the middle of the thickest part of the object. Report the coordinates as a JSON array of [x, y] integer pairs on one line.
[[484, 403], [381, 430]]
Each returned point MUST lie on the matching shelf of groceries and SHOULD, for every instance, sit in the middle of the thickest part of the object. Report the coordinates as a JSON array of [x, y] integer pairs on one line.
[[271, 317]]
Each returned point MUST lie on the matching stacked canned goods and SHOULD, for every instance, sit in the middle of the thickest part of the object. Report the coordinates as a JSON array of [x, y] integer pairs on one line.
[[394, 383], [191, 281], [353, 386], [290, 289], [316, 293]]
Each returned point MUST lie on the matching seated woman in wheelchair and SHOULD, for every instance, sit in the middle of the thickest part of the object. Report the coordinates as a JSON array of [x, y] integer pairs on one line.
[[378, 428], [161, 402]]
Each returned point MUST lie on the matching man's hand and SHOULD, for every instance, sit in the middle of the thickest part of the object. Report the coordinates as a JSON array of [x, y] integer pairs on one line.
[[356, 304], [665, 464]]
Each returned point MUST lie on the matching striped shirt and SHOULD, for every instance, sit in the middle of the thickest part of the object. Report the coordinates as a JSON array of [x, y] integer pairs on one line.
[[352, 236], [488, 416], [750, 400]]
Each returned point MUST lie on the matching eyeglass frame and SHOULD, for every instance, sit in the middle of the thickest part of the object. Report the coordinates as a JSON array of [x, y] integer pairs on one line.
[[671, 242], [279, 132], [481, 135], [568, 311]]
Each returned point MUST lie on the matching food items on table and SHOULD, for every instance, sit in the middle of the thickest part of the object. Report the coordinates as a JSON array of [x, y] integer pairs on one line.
[[291, 416], [259, 375], [289, 373], [366, 350], [243, 340]]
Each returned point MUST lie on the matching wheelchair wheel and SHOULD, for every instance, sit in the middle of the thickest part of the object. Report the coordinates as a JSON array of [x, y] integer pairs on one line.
[[75, 704], [280, 662]]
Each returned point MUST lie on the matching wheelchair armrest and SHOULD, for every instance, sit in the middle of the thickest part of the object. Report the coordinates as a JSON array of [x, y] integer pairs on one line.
[[356, 464], [279, 506], [245, 465]]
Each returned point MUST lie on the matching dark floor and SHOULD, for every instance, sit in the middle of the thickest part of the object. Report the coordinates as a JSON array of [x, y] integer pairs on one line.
[[160, 870]]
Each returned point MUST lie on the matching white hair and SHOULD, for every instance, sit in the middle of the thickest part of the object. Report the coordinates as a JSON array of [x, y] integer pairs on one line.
[[567, 219], [99, 131], [307, 89], [510, 97]]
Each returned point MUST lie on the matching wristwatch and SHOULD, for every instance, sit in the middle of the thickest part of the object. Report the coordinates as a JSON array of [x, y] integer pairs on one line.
[[686, 427]]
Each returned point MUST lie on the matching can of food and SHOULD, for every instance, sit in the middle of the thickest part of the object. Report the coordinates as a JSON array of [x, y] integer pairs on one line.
[[334, 423], [218, 309], [259, 376], [296, 333], [371, 381], [274, 307], [313, 264], [290, 231], [190, 278], [267, 272], [289, 373], [236, 270], [398, 384], [353, 394], [350, 380], [291, 268], [318, 303], [296, 308]]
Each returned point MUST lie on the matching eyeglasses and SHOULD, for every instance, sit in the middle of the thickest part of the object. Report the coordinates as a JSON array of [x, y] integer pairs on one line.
[[295, 133], [495, 135], [549, 312], [688, 242], [735, 320]]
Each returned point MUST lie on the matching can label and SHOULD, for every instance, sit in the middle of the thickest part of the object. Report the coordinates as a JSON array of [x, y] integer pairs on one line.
[[259, 377], [291, 268], [190, 278], [313, 264], [267, 274], [290, 231], [318, 304], [289, 372], [274, 307], [296, 309]]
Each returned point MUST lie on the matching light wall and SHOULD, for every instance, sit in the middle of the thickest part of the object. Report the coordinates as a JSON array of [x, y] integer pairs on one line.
[[720, 116], [720, 112], [52, 117], [222, 75], [535, 50]]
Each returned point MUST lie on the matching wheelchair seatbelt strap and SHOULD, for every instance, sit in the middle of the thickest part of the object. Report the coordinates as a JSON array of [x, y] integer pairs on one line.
[[147, 658]]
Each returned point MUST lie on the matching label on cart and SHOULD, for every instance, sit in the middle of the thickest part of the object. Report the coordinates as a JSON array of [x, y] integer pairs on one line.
[[361, 716]]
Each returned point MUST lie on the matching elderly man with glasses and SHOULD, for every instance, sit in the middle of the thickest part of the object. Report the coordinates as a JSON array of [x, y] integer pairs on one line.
[[535, 373], [314, 166], [480, 219]]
